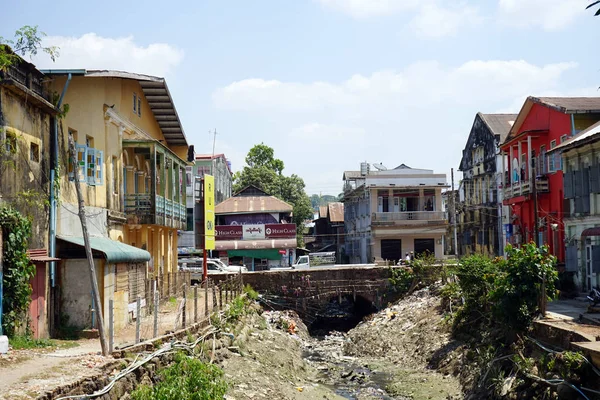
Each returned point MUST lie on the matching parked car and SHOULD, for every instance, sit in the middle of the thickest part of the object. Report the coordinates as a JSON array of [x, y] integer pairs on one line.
[[214, 266]]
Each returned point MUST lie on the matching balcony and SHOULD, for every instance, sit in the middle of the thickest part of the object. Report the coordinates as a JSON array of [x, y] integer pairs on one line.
[[408, 218], [524, 188], [143, 208]]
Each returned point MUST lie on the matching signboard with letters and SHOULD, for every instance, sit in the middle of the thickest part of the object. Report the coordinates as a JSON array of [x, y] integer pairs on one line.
[[255, 231], [209, 212]]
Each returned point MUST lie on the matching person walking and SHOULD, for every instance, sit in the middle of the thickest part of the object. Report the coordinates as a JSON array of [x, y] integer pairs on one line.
[[412, 256]]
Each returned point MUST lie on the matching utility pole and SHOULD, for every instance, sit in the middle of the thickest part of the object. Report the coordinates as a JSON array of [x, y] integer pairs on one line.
[[213, 150], [454, 213], [88, 249], [535, 200]]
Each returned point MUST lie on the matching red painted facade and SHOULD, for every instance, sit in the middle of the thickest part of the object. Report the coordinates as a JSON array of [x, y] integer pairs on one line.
[[544, 125]]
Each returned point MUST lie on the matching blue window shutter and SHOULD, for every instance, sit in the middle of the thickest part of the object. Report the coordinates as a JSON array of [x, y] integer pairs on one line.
[[99, 167], [91, 166]]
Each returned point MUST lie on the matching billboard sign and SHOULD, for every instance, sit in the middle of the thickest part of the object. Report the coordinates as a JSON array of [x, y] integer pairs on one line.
[[209, 212]]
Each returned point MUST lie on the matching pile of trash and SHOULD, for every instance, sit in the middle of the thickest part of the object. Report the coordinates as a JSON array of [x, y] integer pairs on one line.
[[287, 321], [407, 332]]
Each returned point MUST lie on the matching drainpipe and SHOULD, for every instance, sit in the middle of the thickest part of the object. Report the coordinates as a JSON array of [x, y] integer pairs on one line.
[[53, 202], [572, 124]]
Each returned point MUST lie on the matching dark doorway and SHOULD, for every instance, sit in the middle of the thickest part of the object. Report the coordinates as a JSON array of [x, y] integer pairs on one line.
[[391, 249], [424, 246]]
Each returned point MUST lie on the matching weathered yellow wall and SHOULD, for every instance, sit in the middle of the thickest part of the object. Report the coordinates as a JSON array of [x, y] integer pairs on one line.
[[18, 174]]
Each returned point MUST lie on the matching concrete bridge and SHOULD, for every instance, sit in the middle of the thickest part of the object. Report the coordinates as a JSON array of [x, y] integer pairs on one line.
[[308, 289]]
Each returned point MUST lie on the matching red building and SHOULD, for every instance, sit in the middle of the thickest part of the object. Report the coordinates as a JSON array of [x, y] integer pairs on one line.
[[542, 124]]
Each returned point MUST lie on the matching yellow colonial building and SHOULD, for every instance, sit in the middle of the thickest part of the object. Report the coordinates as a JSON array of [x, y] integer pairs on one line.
[[131, 155]]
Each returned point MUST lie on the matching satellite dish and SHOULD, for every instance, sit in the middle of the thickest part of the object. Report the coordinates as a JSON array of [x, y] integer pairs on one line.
[[380, 167]]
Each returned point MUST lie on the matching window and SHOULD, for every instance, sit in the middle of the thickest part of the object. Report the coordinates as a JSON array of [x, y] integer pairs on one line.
[[554, 159], [563, 138], [34, 152], [10, 143], [90, 163], [135, 103], [541, 165], [139, 107]]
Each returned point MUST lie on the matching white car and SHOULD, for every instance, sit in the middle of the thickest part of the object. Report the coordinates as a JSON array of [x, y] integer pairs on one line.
[[214, 266], [220, 265]]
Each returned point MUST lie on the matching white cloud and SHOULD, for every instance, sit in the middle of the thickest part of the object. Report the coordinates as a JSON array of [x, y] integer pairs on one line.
[[549, 15], [370, 8], [91, 51], [419, 115], [435, 21]]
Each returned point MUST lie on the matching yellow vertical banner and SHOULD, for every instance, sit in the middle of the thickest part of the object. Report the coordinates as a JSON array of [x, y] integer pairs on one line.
[[209, 212]]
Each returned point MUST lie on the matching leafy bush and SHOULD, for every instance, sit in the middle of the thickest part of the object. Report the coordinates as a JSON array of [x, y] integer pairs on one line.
[[250, 292], [401, 279], [187, 379], [427, 269], [18, 270], [518, 287]]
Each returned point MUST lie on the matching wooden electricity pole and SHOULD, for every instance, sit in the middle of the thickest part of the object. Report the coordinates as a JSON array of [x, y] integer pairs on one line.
[[88, 248]]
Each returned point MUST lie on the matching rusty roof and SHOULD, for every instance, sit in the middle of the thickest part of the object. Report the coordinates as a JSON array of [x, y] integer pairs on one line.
[[336, 212], [571, 105], [252, 204], [499, 124], [322, 211]]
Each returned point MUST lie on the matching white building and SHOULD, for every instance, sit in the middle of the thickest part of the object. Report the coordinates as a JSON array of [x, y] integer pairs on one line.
[[389, 213]]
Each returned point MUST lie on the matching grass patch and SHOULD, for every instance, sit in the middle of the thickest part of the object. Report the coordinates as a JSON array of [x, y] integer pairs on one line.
[[187, 379], [27, 342], [173, 300]]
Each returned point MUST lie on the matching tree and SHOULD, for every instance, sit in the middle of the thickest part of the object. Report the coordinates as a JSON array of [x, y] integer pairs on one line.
[[266, 173], [27, 42], [595, 3]]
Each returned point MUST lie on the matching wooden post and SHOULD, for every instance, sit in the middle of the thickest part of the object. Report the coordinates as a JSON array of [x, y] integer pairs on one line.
[[111, 326], [155, 310], [195, 303], [214, 295], [137, 319], [221, 296], [88, 249], [183, 321], [206, 297]]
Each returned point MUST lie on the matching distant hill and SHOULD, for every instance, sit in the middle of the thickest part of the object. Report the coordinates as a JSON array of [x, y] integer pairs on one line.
[[317, 200]]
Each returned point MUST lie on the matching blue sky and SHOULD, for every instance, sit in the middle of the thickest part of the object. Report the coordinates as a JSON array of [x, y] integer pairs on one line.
[[331, 83]]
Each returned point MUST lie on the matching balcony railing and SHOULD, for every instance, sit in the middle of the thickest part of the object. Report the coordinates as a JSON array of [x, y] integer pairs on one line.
[[141, 209], [23, 74], [524, 188], [400, 217]]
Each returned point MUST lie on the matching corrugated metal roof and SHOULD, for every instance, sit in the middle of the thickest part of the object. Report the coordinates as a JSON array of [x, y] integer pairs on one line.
[[336, 212], [114, 251], [252, 204], [571, 105], [158, 96], [585, 136], [499, 124], [322, 211]]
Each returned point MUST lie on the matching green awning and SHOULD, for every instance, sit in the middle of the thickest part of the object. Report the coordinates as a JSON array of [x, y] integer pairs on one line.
[[270, 254], [113, 250]]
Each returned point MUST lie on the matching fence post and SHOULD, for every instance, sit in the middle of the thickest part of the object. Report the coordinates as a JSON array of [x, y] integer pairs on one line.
[[206, 297], [214, 296], [183, 321], [155, 310], [111, 326], [137, 319], [168, 284], [195, 303], [221, 296]]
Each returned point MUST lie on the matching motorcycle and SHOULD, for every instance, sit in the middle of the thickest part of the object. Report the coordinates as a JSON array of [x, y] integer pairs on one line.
[[594, 297]]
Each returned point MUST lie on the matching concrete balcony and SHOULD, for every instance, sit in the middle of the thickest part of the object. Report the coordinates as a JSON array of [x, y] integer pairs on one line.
[[524, 188], [408, 218], [143, 208]]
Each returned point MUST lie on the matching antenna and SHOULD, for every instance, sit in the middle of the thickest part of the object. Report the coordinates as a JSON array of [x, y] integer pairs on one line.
[[212, 159]]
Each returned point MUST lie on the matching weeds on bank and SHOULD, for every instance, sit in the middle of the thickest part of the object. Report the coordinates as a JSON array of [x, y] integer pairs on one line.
[[187, 379], [27, 342]]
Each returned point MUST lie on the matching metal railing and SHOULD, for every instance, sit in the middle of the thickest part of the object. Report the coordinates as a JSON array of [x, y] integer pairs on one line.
[[524, 188], [163, 212], [408, 216]]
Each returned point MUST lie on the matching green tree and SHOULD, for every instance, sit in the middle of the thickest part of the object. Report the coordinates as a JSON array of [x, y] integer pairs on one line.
[[27, 42], [266, 173]]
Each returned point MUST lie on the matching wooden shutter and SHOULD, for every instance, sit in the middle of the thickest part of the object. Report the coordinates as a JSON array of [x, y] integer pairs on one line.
[[91, 166], [99, 170], [568, 185], [571, 261], [596, 259], [585, 177], [578, 183], [81, 162], [594, 178]]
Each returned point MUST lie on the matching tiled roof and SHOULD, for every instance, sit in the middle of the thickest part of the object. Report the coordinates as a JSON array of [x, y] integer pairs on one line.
[[252, 204], [571, 104], [336, 212]]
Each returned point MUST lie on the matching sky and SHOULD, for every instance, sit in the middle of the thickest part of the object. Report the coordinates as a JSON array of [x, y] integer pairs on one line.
[[331, 83]]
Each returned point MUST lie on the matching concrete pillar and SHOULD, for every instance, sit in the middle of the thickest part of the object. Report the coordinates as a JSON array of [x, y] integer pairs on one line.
[[421, 199]]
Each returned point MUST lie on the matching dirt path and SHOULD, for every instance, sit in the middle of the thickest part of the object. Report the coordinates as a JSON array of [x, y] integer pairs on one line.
[[45, 370]]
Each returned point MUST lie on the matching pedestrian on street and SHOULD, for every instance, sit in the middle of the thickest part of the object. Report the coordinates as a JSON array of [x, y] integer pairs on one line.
[[407, 258], [412, 256]]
